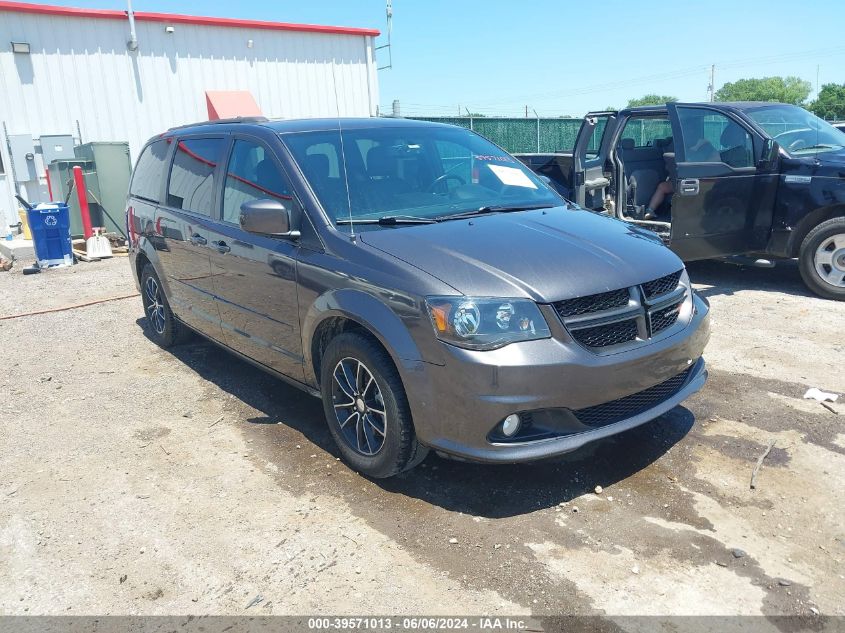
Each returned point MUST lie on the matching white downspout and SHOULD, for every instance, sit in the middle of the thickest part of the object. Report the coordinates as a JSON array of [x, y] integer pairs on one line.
[[132, 44]]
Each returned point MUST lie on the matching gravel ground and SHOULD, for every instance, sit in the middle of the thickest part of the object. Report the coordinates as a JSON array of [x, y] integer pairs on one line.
[[135, 480]]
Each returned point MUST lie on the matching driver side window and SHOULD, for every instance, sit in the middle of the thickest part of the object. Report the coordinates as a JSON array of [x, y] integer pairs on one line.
[[252, 174], [712, 137]]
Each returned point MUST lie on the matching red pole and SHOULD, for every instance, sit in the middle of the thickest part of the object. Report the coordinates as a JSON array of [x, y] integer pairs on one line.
[[49, 186], [82, 195]]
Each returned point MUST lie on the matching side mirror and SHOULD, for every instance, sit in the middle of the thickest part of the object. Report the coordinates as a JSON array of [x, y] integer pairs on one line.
[[267, 217], [769, 155]]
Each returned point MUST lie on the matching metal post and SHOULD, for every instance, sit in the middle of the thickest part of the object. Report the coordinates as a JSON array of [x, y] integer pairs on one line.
[[82, 196], [712, 83], [469, 114], [538, 129]]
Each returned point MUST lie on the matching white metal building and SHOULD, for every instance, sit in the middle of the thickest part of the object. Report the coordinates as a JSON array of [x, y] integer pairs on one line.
[[68, 72]]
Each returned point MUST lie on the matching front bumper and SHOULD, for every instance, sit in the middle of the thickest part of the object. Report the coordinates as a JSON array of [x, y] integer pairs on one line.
[[455, 406]]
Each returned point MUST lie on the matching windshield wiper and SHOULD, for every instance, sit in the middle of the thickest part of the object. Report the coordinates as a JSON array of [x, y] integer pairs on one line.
[[387, 220], [819, 146], [493, 209]]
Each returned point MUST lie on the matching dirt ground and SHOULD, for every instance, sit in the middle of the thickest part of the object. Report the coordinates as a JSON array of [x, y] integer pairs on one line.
[[135, 480]]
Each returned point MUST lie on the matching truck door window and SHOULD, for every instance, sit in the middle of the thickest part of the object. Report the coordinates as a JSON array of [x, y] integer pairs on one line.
[[647, 132], [712, 137], [596, 137]]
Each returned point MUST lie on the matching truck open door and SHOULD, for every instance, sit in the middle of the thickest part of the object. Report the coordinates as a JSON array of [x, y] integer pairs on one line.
[[589, 184], [725, 182]]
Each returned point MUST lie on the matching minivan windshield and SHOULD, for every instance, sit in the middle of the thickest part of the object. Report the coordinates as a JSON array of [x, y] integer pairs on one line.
[[410, 173], [798, 131]]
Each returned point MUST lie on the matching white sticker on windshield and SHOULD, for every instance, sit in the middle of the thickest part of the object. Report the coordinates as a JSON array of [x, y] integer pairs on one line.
[[512, 176]]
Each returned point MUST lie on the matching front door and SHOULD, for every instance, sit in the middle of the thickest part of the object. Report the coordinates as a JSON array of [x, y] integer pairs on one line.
[[255, 275], [724, 195], [589, 156]]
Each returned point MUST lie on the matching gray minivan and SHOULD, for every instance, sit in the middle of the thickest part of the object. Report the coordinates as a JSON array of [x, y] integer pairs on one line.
[[432, 290]]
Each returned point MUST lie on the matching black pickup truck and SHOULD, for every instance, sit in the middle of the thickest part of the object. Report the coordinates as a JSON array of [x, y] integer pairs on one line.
[[759, 179]]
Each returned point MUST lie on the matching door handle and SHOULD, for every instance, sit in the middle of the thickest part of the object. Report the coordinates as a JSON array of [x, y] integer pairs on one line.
[[689, 187], [198, 240], [221, 246]]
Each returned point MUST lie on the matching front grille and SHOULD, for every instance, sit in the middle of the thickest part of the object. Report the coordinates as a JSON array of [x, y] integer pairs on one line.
[[592, 303], [665, 317], [606, 335], [622, 316], [661, 286], [636, 403]]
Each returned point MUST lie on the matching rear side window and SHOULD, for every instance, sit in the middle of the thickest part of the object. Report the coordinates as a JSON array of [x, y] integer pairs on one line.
[[149, 172], [647, 132], [191, 185]]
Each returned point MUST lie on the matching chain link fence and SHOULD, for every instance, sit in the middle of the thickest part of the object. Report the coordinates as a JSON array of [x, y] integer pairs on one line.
[[520, 134]]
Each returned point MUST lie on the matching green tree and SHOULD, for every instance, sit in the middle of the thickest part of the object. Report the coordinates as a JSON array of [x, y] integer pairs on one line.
[[651, 99], [830, 104], [792, 90]]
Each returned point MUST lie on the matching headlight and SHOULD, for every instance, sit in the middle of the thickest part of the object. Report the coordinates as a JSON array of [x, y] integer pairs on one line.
[[485, 323]]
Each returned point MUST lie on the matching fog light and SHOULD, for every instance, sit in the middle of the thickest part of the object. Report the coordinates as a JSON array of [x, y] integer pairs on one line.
[[511, 425]]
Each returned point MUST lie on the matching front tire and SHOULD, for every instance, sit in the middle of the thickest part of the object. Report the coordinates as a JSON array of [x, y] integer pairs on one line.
[[164, 329], [366, 407], [821, 259]]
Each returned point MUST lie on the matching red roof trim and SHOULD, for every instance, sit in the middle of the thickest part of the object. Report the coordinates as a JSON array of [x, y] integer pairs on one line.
[[172, 18]]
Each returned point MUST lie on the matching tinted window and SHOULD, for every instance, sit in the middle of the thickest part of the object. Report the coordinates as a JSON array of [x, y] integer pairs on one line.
[[149, 172], [251, 175], [648, 132], [712, 137], [191, 185]]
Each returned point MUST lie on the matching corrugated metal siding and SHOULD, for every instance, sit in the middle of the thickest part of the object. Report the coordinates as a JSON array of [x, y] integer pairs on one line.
[[80, 69]]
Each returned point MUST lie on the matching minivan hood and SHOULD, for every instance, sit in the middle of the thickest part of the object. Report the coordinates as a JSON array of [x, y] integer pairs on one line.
[[547, 255]]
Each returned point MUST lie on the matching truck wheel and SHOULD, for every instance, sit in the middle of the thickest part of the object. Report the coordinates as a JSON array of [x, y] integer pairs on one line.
[[165, 330], [822, 259], [366, 407]]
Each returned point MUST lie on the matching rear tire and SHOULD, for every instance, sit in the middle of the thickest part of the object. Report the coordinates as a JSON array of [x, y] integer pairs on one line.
[[164, 329], [366, 407], [821, 259]]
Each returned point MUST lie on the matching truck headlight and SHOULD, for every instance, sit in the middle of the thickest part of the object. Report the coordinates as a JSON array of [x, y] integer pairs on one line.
[[485, 323]]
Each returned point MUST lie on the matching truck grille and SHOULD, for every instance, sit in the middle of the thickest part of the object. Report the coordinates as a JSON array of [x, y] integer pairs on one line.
[[636, 403], [623, 316]]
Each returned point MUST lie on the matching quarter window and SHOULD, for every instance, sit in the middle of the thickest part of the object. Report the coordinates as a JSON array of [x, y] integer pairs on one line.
[[251, 175], [712, 137], [191, 185], [149, 172]]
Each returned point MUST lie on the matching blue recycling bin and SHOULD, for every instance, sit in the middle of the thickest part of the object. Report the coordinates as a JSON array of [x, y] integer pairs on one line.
[[50, 226]]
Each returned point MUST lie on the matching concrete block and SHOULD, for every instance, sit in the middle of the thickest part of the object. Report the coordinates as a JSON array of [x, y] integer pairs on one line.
[[22, 250]]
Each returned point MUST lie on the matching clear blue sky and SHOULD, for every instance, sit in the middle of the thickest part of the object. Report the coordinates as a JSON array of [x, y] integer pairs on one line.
[[559, 57]]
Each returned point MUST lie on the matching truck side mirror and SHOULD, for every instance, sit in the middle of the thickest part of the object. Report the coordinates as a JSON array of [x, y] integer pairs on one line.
[[769, 155]]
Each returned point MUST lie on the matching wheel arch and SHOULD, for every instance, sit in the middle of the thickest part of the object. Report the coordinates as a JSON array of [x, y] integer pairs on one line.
[[809, 222], [352, 310]]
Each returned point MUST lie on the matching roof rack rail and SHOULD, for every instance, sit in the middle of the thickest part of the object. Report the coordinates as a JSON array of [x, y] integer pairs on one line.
[[239, 119]]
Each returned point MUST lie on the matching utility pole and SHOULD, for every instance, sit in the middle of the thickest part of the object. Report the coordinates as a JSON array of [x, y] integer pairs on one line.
[[712, 86], [526, 112]]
